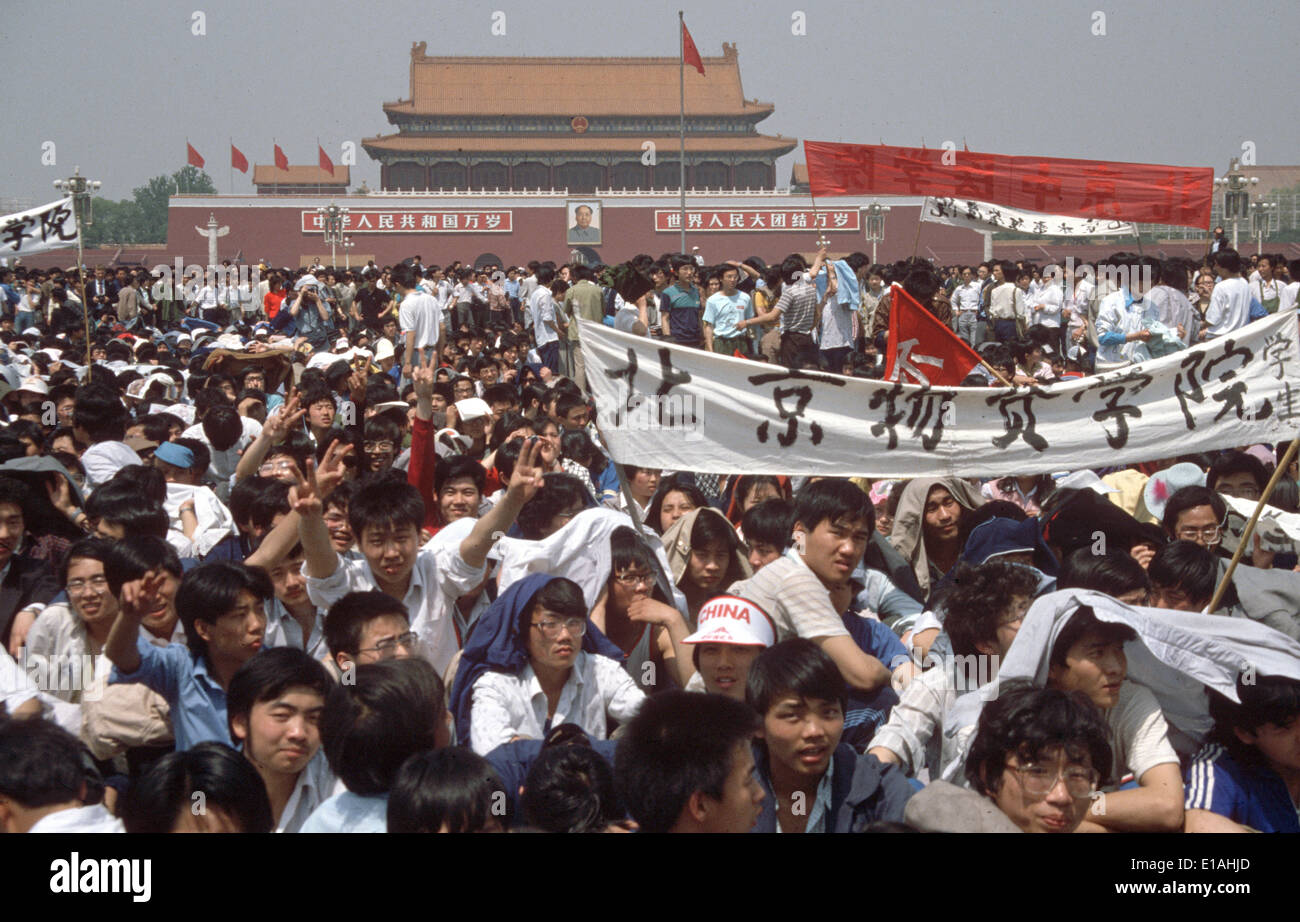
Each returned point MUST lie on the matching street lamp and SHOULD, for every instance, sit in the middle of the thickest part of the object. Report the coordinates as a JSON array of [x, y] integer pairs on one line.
[[79, 188], [332, 219], [875, 213], [1236, 195], [1263, 221], [347, 243]]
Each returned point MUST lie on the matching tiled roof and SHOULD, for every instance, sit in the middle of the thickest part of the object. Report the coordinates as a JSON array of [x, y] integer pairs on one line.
[[265, 174], [666, 146], [572, 86]]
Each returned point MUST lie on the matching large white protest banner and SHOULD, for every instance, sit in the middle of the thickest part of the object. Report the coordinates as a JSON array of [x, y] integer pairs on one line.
[[981, 216], [667, 406], [49, 227]]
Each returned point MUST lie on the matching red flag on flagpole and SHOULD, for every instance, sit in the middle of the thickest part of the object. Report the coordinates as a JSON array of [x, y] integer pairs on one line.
[[192, 156], [238, 160], [325, 162], [281, 161], [922, 348], [689, 52]]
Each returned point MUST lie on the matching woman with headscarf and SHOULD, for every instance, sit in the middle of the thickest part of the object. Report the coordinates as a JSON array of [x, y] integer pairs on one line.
[[705, 557], [927, 526], [536, 661]]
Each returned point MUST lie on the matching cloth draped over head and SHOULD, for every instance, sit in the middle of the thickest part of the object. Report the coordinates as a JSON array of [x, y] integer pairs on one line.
[[678, 543], [499, 643], [1176, 656], [909, 521]]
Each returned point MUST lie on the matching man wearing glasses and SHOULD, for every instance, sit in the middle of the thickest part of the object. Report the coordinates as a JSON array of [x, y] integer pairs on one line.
[[366, 627], [1196, 514]]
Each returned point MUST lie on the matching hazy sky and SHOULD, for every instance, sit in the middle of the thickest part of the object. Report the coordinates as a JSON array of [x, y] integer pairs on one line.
[[118, 87]]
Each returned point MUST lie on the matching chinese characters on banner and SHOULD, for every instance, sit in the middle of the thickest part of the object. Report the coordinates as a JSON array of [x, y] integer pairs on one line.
[[981, 216], [49, 227], [1143, 192], [764, 419], [415, 221], [759, 219]]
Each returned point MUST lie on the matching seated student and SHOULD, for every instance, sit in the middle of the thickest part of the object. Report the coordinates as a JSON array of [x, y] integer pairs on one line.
[[570, 788], [1236, 473], [732, 633], [833, 522], [458, 484], [1088, 656], [1183, 577], [685, 764], [366, 627], [675, 496], [386, 516], [221, 606], [1247, 777], [561, 497], [234, 798], [1195, 514], [705, 557], [633, 614], [336, 520], [815, 782], [766, 527], [1115, 573], [535, 661], [43, 781], [26, 585], [273, 706], [984, 611], [447, 790], [395, 709], [381, 442], [292, 620], [1034, 765]]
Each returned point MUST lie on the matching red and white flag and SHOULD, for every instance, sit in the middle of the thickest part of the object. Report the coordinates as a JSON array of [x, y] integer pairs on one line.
[[281, 161], [921, 349], [192, 156], [690, 54], [326, 163], [238, 160]]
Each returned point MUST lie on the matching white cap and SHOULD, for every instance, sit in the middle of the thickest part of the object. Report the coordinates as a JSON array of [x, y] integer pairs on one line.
[[472, 408], [35, 385], [306, 280], [383, 349], [733, 620]]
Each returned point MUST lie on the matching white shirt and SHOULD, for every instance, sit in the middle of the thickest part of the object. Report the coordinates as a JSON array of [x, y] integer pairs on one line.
[[541, 306], [966, 297], [1288, 296], [506, 706], [1045, 306], [104, 459], [1229, 306], [348, 812], [420, 316], [283, 630], [311, 790], [439, 578], [94, 818], [223, 463]]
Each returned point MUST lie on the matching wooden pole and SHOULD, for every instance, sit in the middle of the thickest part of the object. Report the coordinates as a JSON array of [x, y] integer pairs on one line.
[[997, 374], [1246, 533]]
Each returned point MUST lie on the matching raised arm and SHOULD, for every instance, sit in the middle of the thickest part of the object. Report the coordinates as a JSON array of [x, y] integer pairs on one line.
[[525, 481]]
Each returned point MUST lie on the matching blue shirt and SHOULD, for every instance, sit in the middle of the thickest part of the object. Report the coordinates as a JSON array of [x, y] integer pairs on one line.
[[866, 713], [725, 311], [198, 703], [1252, 795], [348, 812], [684, 314]]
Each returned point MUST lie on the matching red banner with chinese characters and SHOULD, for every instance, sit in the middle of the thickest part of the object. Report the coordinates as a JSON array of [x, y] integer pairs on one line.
[[759, 219], [415, 221], [1144, 192]]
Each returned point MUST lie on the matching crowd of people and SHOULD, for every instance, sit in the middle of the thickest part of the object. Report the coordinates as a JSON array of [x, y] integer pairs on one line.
[[345, 551]]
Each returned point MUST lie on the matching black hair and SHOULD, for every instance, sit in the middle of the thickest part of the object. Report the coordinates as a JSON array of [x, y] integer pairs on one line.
[[571, 789], [1083, 622], [562, 596], [202, 455], [385, 502], [1236, 462], [1114, 573], [146, 482], [347, 618], [227, 780], [677, 483], [40, 763], [452, 789], [455, 467], [1187, 567], [84, 549], [267, 675], [795, 666], [1189, 498], [746, 483], [135, 555], [558, 493], [980, 598], [211, 590], [833, 499], [268, 502], [1227, 259], [223, 427], [371, 727], [99, 411], [1265, 700], [627, 550], [770, 522], [118, 504], [680, 743], [1026, 721]]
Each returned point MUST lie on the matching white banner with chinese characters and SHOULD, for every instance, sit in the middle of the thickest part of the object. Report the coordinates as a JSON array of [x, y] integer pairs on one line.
[[673, 407], [759, 219], [415, 221], [981, 216], [49, 227]]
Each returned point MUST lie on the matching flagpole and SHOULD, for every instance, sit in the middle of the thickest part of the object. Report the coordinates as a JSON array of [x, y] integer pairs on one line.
[[681, 85], [232, 167]]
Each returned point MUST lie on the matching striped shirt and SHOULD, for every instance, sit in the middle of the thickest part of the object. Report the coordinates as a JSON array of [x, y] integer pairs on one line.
[[798, 307]]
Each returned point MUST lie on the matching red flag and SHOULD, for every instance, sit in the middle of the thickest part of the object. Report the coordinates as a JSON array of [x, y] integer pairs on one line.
[[923, 348], [238, 160], [281, 161], [325, 162], [193, 156], [690, 55]]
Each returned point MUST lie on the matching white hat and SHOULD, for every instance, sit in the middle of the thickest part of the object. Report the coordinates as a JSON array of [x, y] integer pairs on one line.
[[342, 343], [306, 280], [35, 385], [733, 620], [383, 350], [1164, 484], [472, 408], [450, 442]]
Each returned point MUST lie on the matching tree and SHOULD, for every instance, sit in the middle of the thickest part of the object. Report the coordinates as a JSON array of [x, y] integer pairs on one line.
[[143, 219]]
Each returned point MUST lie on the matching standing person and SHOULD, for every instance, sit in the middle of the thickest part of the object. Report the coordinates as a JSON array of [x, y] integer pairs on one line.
[[1006, 302], [1267, 289], [721, 312], [798, 310], [966, 306], [310, 313], [546, 326], [421, 322], [586, 301], [1230, 301], [681, 321]]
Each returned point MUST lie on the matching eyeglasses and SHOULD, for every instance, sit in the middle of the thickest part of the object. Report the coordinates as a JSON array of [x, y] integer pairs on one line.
[[1038, 780], [387, 648], [1210, 533], [635, 579], [377, 448], [94, 584], [273, 467], [575, 626]]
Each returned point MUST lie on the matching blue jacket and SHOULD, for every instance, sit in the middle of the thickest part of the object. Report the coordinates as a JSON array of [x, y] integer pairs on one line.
[[513, 761], [863, 790]]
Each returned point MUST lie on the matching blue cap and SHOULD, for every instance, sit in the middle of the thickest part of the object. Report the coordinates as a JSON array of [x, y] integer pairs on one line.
[[175, 455]]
